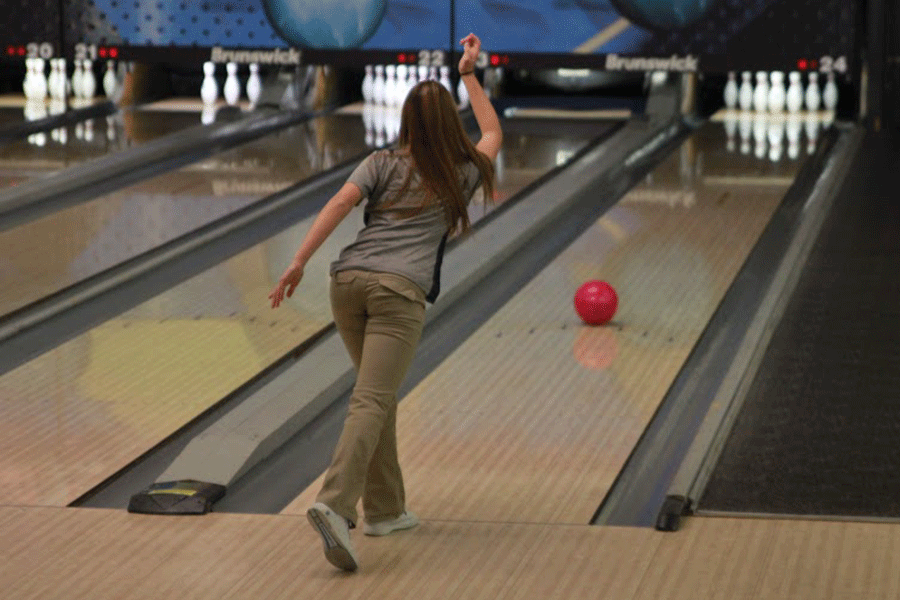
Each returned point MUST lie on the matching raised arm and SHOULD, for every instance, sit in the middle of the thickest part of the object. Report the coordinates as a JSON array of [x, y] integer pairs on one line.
[[485, 115]]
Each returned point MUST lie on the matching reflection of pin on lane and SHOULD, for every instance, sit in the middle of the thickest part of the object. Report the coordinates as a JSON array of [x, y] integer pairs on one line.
[[603, 36]]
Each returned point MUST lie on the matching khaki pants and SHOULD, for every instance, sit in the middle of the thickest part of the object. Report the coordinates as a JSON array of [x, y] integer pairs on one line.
[[379, 317]]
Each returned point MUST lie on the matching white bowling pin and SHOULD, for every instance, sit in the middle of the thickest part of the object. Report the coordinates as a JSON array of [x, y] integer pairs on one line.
[[88, 81], [209, 89], [378, 85], [402, 89], [39, 80], [77, 78], [813, 95], [761, 92], [390, 85], [794, 93], [745, 96], [423, 73], [777, 93], [412, 79], [254, 85], [830, 93], [368, 82], [232, 88], [109, 79], [731, 91], [462, 92], [445, 79], [27, 87], [61, 83]]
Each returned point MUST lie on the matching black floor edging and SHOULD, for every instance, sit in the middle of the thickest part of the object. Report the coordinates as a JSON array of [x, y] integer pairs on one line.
[[640, 488], [275, 482]]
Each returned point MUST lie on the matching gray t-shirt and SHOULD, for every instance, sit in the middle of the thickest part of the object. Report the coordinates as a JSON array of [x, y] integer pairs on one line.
[[398, 237]]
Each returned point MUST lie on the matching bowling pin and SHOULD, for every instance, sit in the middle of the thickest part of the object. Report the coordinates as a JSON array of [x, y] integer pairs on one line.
[[51, 78], [88, 81], [412, 79], [731, 91], [402, 90], [27, 88], [794, 93], [830, 93], [390, 85], [39, 80], [445, 79], [777, 93], [462, 92], [423, 73], [232, 89], [433, 73], [209, 89], [368, 82], [77, 76], [378, 85], [254, 85], [745, 95], [813, 95], [761, 92], [109, 80]]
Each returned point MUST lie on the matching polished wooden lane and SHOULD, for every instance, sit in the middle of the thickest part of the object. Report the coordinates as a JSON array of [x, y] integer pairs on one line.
[[63, 248], [106, 555], [533, 417], [75, 415], [45, 153]]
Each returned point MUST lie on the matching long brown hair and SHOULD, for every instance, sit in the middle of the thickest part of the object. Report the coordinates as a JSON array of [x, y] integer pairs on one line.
[[432, 132]]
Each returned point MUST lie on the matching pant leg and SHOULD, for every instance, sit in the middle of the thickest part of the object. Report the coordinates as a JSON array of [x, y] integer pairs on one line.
[[394, 318]]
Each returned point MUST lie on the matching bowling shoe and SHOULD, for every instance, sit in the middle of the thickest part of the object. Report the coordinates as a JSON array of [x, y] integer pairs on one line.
[[335, 532], [407, 520]]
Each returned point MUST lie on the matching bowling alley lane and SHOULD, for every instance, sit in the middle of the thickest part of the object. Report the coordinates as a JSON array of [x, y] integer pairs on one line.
[[56, 251], [75, 415], [534, 415], [48, 152]]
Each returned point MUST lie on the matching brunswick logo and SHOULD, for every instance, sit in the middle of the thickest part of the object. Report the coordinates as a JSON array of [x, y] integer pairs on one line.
[[291, 56], [614, 62]]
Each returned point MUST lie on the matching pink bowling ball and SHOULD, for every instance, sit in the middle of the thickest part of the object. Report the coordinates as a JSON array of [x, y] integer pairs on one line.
[[596, 302]]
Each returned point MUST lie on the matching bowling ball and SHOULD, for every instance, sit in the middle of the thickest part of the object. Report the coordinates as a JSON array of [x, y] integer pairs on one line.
[[325, 23], [596, 302], [663, 14]]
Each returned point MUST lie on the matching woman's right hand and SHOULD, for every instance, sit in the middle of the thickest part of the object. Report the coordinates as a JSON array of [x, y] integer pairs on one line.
[[471, 49]]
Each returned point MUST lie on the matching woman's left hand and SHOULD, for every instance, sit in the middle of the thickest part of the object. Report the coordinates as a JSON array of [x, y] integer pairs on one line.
[[288, 282]]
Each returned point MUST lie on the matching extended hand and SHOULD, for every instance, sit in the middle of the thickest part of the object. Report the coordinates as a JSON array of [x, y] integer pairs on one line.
[[471, 48], [288, 282]]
